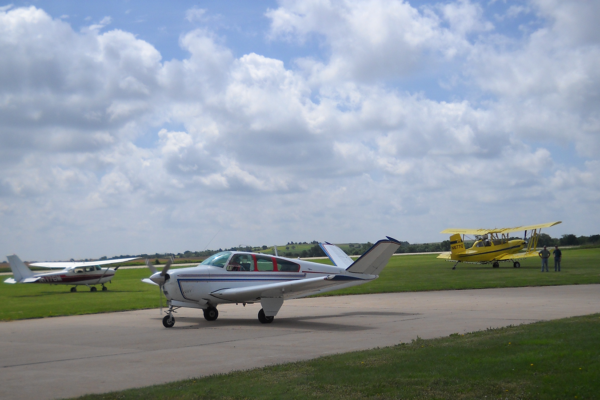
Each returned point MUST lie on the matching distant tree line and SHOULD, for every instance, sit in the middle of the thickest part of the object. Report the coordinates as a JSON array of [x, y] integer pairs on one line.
[[359, 248]]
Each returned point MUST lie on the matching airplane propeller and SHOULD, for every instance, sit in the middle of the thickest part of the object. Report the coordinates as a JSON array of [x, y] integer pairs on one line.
[[158, 278]]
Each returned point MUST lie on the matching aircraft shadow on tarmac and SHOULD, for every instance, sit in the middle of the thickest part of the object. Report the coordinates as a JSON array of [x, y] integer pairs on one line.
[[79, 292], [305, 323]]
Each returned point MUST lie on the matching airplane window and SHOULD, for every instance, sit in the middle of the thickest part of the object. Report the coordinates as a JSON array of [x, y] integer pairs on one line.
[[217, 260], [287, 266], [241, 262], [264, 263]]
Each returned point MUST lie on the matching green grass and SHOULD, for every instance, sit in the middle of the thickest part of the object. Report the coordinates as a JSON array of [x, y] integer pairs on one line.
[[126, 292], [426, 272], [547, 360], [403, 273]]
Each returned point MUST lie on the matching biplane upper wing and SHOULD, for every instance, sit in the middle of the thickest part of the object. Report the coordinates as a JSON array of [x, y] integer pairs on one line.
[[529, 227], [499, 230]]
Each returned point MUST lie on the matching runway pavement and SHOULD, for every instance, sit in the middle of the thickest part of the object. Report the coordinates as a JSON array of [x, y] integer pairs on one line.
[[71, 356]]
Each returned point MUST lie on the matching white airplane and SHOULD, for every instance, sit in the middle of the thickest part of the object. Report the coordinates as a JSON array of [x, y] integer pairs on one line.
[[240, 277], [73, 273]]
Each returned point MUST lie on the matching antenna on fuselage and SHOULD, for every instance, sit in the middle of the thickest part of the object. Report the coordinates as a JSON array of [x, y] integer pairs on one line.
[[275, 251]]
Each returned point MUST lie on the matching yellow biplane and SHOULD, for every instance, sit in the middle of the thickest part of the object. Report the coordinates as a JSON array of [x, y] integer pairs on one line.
[[493, 245]]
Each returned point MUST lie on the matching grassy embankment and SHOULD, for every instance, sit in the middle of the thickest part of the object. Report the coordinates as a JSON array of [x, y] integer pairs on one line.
[[403, 273], [547, 360]]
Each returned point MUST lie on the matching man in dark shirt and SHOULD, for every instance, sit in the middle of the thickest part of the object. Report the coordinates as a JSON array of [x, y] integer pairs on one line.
[[544, 255], [557, 257]]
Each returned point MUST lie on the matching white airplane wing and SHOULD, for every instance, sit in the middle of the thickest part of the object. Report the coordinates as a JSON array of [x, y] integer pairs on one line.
[[69, 265], [282, 289], [336, 255]]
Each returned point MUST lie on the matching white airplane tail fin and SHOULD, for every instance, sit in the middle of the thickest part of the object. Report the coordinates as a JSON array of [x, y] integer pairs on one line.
[[376, 258], [336, 255], [19, 269]]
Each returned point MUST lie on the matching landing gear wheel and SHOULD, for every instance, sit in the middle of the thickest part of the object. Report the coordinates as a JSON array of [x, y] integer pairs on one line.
[[168, 321], [211, 314], [104, 288], [73, 289], [263, 318], [496, 265], [516, 264], [93, 289]]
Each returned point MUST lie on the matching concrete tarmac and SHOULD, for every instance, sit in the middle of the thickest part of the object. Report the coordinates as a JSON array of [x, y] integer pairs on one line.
[[71, 356]]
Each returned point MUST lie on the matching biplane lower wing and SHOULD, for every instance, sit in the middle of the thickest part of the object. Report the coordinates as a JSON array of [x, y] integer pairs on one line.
[[518, 256]]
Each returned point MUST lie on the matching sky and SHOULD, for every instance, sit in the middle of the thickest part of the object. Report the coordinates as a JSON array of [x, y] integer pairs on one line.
[[130, 127]]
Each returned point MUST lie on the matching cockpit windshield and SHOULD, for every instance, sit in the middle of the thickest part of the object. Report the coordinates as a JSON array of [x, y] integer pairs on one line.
[[217, 260]]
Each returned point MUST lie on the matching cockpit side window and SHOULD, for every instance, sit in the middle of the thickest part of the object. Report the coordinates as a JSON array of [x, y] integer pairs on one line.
[[287, 266], [217, 260], [241, 262], [264, 263]]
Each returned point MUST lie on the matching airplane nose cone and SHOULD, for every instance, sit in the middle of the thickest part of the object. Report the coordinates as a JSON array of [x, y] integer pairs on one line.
[[157, 278]]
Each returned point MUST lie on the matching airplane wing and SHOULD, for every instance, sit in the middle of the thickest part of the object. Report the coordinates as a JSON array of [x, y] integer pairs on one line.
[[445, 256], [74, 264], [282, 289], [518, 255], [499, 230], [337, 256]]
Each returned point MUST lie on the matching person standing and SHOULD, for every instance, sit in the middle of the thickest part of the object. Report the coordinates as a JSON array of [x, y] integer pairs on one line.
[[557, 257], [544, 255]]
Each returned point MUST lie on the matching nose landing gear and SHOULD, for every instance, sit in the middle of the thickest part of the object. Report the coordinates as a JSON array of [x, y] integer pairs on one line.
[[169, 320]]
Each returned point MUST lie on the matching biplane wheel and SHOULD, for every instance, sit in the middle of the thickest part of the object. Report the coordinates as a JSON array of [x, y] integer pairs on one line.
[[496, 265], [263, 318], [211, 314], [168, 321], [93, 289], [516, 264], [104, 288], [73, 289]]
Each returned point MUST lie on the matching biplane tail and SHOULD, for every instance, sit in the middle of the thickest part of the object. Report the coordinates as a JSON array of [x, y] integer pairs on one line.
[[457, 245]]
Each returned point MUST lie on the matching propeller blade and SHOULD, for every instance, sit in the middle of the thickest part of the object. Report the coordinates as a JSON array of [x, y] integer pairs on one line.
[[150, 266], [167, 266], [160, 298]]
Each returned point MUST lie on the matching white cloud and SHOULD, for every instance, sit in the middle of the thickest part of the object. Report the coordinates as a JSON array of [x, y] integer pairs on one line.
[[195, 14], [332, 148]]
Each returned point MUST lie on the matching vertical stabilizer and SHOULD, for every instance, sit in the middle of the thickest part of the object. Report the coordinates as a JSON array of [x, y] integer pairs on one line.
[[19, 269], [376, 258], [457, 245]]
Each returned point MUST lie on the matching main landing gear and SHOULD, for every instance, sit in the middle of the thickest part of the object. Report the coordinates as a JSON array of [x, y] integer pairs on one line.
[[496, 264], [93, 289], [263, 318], [516, 264], [73, 289], [211, 314]]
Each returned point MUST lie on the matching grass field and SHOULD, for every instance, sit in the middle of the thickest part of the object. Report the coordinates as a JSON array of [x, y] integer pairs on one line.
[[403, 273], [547, 360]]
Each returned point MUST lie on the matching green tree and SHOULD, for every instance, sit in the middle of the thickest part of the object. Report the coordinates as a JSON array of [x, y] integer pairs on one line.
[[569, 240]]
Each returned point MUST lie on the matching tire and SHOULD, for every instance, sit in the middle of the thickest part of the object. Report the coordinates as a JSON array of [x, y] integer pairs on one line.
[[263, 318], [211, 314], [104, 288], [517, 264], [496, 265], [73, 289], [93, 289], [168, 321]]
